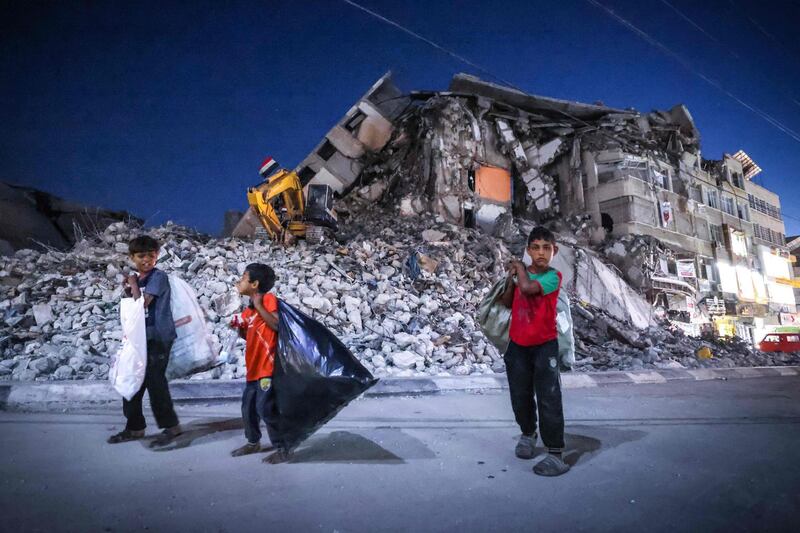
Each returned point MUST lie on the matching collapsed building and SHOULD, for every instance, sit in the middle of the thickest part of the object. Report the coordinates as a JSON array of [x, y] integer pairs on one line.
[[647, 228], [697, 237], [36, 219]]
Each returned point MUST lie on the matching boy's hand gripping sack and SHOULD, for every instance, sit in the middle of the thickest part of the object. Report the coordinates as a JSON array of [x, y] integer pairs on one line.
[[193, 350], [315, 375], [130, 363], [494, 318]]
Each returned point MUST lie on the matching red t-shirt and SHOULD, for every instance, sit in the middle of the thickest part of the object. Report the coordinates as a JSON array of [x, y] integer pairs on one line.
[[533, 318], [262, 341]]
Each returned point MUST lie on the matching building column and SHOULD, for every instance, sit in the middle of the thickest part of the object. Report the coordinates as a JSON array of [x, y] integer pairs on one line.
[[590, 187]]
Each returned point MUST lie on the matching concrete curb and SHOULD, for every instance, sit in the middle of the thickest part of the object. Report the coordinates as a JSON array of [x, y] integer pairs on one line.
[[38, 395]]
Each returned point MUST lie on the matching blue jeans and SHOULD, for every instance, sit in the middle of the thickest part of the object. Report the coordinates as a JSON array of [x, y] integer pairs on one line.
[[259, 403]]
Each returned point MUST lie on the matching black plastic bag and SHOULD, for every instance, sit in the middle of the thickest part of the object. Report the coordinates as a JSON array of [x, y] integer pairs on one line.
[[315, 376], [412, 265]]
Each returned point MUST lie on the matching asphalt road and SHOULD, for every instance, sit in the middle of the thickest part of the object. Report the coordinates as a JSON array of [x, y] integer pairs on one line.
[[681, 456]]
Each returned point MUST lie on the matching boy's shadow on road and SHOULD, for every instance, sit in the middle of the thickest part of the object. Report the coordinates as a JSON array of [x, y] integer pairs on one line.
[[197, 430], [344, 447], [347, 447], [334, 447], [578, 446]]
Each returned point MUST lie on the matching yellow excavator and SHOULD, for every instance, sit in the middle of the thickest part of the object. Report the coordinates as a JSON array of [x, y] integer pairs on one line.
[[283, 210]]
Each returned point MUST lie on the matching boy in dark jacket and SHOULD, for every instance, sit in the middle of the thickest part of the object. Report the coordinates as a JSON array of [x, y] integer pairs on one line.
[[152, 286]]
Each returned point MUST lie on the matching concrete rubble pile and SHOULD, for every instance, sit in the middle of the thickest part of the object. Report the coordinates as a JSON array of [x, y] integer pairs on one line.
[[60, 310], [402, 293], [605, 343]]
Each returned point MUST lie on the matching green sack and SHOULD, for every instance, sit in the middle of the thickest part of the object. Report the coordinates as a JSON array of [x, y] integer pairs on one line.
[[566, 340], [494, 318]]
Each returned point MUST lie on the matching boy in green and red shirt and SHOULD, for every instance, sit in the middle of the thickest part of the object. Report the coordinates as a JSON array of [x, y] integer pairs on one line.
[[532, 355]]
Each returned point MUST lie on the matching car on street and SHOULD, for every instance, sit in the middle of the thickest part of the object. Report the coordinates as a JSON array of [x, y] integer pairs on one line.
[[780, 342]]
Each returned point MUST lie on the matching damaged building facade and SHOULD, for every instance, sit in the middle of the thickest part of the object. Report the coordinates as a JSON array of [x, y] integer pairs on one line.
[[703, 241]]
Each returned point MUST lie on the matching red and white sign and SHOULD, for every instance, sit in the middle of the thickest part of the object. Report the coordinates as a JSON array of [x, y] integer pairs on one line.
[[666, 213], [686, 269], [790, 319]]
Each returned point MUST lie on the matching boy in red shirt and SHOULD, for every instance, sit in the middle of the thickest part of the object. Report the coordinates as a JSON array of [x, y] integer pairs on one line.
[[259, 326], [532, 355]]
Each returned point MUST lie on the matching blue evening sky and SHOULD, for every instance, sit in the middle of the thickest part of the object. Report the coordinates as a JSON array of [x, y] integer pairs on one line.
[[166, 109]]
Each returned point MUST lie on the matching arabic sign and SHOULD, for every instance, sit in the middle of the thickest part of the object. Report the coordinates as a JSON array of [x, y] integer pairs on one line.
[[686, 269]]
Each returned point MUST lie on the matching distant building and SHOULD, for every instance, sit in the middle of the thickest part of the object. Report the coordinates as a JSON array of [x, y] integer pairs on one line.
[[793, 245]]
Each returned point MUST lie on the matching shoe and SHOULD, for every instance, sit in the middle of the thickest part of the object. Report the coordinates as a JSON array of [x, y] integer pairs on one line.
[[526, 447], [247, 449], [166, 437], [552, 465], [126, 435], [280, 456]]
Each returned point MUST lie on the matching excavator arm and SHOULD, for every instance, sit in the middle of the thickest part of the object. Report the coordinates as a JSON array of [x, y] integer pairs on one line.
[[310, 218], [286, 185]]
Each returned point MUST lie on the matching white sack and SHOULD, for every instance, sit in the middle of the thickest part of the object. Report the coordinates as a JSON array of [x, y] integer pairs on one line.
[[129, 364], [193, 349]]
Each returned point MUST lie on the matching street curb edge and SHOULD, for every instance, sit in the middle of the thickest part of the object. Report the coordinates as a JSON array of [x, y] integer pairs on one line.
[[36, 395]]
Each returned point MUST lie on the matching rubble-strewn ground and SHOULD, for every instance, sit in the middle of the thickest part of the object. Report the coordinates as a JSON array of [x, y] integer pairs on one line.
[[60, 315]]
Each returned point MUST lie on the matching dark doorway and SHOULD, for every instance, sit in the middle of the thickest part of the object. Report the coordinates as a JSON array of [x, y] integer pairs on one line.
[[607, 222]]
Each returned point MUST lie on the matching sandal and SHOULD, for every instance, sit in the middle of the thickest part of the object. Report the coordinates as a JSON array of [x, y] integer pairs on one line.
[[551, 465], [280, 456], [526, 447], [126, 435], [166, 437], [247, 449]]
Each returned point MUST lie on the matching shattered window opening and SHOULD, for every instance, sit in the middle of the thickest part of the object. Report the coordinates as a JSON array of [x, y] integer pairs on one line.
[[306, 174], [744, 214], [636, 167], [738, 243], [672, 267], [717, 237], [660, 179], [469, 218], [327, 150], [706, 269], [355, 121], [607, 222], [712, 198], [737, 179], [728, 205]]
